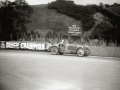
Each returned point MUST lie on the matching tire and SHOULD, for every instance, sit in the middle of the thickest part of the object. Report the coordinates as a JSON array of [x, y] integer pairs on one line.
[[87, 52], [61, 53], [80, 52], [54, 50]]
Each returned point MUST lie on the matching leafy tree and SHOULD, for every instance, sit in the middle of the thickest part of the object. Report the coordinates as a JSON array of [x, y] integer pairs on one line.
[[103, 28], [101, 4], [89, 25], [6, 20], [23, 14], [13, 17]]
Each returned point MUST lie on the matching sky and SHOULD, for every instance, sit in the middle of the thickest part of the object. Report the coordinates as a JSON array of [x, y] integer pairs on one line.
[[81, 2]]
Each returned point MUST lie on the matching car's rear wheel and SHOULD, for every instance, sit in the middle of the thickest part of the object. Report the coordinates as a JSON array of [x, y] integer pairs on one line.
[[54, 50], [87, 52], [80, 52]]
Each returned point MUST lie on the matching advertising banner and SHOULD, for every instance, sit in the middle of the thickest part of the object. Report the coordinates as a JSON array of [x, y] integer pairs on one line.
[[23, 45]]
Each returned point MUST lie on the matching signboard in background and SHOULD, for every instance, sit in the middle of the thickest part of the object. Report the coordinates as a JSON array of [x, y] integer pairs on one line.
[[23, 45], [74, 30]]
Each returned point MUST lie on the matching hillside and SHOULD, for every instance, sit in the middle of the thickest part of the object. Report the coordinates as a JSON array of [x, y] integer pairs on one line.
[[115, 9], [59, 17], [44, 18]]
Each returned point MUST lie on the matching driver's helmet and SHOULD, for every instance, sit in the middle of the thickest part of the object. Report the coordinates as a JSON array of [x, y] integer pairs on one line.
[[62, 42]]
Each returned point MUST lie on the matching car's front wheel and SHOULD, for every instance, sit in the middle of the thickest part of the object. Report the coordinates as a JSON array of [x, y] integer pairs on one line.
[[54, 50], [80, 52]]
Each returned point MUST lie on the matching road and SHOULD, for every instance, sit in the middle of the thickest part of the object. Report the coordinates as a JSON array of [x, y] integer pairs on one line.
[[39, 70]]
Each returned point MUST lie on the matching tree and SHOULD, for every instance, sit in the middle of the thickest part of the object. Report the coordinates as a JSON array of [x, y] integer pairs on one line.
[[101, 4], [5, 19], [24, 12], [103, 28], [13, 17]]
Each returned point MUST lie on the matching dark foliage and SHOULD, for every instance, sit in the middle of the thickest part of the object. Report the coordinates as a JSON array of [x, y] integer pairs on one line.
[[115, 21], [13, 17]]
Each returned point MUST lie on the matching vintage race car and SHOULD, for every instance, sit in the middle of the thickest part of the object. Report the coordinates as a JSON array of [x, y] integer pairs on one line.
[[80, 50]]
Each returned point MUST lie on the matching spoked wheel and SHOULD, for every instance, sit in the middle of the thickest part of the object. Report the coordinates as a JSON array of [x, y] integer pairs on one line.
[[80, 52], [87, 52], [54, 50]]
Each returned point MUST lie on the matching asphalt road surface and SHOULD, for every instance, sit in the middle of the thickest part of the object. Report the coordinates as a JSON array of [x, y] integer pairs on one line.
[[39, 70]]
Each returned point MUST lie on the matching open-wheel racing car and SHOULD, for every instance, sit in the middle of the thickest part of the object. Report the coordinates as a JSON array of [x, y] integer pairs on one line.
[[66, 48]]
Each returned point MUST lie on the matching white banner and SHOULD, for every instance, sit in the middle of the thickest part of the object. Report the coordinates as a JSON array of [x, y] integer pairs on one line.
[[23, 45]]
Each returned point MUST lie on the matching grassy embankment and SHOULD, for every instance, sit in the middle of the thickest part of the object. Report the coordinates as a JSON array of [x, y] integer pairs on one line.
[[45, 20]]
